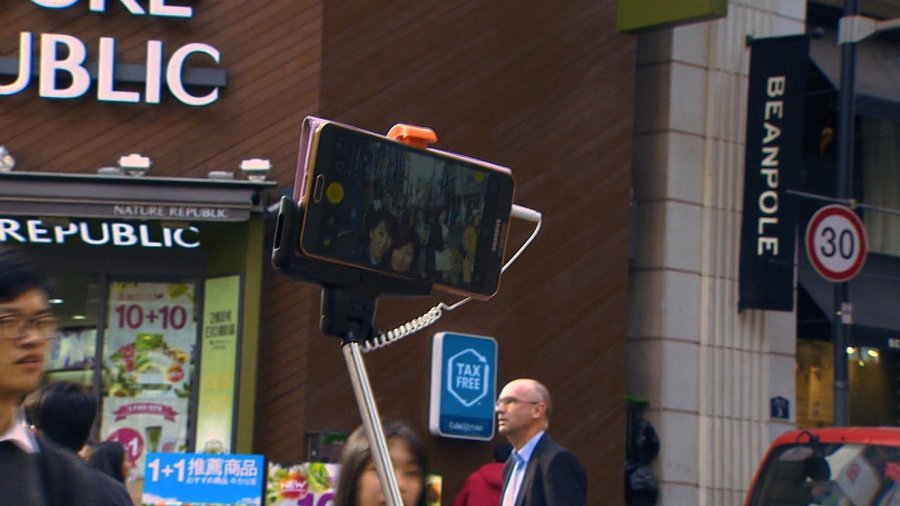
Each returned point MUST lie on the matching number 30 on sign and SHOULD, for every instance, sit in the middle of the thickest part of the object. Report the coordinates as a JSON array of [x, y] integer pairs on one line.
[[836, 243]]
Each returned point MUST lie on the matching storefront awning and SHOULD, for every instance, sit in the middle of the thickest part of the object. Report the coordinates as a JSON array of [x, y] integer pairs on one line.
[[128, 197], [874, 293], [877, 73]]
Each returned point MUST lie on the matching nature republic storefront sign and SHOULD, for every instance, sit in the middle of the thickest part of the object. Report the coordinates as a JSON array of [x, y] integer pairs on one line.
[[65, 72], [99, 233]]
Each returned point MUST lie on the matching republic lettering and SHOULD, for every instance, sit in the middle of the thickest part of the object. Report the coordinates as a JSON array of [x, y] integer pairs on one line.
[[61, 233], [198, 212], [9, 229], [37, 233], [64, 73], [117, 234]]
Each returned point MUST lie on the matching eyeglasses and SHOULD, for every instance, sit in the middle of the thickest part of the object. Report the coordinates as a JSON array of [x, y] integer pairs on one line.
[[14, 326], [510, 401]]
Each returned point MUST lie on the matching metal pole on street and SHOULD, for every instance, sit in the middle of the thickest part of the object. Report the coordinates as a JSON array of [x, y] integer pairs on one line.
[[842, 317]]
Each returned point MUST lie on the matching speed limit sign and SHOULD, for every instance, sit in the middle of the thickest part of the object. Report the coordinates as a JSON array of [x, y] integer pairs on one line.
[[836, 243]]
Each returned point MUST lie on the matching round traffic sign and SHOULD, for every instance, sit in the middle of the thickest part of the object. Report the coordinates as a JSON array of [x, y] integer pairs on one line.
[[836, 243]]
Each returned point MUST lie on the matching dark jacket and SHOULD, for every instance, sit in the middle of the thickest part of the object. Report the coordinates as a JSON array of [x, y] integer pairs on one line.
[[111, 492], [553, 477], [69, 481]]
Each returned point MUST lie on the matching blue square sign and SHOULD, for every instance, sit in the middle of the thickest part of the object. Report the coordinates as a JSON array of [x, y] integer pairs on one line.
[[463, 386]]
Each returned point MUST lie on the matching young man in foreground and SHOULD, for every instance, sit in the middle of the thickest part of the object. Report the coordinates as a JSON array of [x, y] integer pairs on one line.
[[33, 472]]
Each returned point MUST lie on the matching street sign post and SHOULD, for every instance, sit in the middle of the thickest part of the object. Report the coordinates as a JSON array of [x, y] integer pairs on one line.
[[463, 386], [836, 243]]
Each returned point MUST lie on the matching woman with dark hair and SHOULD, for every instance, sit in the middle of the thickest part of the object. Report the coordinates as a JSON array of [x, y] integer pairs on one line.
[[358, 483], [405, 251], [110, 458]]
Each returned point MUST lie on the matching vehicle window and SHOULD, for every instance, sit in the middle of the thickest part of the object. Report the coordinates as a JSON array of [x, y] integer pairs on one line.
[[849, 474]]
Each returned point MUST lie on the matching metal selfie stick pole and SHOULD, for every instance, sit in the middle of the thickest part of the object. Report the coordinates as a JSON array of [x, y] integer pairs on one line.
[[359, 378], [349, 314]]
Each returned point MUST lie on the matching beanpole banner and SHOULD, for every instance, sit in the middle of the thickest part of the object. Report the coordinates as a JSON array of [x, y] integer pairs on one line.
[[776, 95]]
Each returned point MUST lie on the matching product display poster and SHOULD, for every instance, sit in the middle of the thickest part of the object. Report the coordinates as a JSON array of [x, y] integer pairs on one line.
[[215, 412], [148, 355], [309, 484]]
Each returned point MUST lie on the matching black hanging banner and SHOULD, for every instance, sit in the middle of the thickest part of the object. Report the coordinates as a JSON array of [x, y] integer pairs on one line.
[[777, 91]]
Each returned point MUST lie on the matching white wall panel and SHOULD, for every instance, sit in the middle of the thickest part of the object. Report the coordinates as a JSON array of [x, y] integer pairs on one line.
[[693, 86]]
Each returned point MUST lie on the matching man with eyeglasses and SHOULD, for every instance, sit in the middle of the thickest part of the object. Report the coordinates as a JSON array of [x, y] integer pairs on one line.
[[539, 471], [33, 472]]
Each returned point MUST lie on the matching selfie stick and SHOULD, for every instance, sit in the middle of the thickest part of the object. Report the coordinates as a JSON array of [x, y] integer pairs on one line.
[[349, 299]]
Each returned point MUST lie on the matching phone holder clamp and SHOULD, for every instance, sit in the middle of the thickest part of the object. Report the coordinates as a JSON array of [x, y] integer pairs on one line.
[[412, 135]]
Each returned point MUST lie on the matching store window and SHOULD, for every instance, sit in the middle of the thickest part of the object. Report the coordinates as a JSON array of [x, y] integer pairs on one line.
[[140, 361], [134, 342], [815, 384], [874, 376], [76, 299]]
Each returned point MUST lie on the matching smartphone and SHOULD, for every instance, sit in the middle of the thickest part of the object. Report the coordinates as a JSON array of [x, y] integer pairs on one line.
[[374, 203]]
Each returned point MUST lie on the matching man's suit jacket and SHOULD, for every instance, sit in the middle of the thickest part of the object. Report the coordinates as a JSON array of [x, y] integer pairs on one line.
[[554, 476]]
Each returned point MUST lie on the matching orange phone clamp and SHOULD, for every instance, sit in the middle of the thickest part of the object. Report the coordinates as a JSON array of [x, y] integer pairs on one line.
[[412, 135]]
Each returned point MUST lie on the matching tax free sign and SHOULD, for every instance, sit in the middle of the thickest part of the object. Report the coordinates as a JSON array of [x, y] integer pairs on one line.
[[463, 386], [67, 66]]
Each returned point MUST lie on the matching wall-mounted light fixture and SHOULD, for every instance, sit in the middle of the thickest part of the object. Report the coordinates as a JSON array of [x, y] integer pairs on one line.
[[7, 162], [256, 168], [135, 164], [863, 356]]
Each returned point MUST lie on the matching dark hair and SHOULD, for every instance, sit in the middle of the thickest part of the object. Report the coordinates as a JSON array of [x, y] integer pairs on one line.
[[501, 451], [356, 456], [382, 216], [108, 457], [63, 411], [406, 235], [18, 274]]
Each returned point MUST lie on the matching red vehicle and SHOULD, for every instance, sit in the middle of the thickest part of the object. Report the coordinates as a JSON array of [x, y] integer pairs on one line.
[[840, 466]]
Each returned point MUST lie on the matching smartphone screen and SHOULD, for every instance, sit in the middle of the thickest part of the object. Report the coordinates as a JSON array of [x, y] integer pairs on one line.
[[374, 203]]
